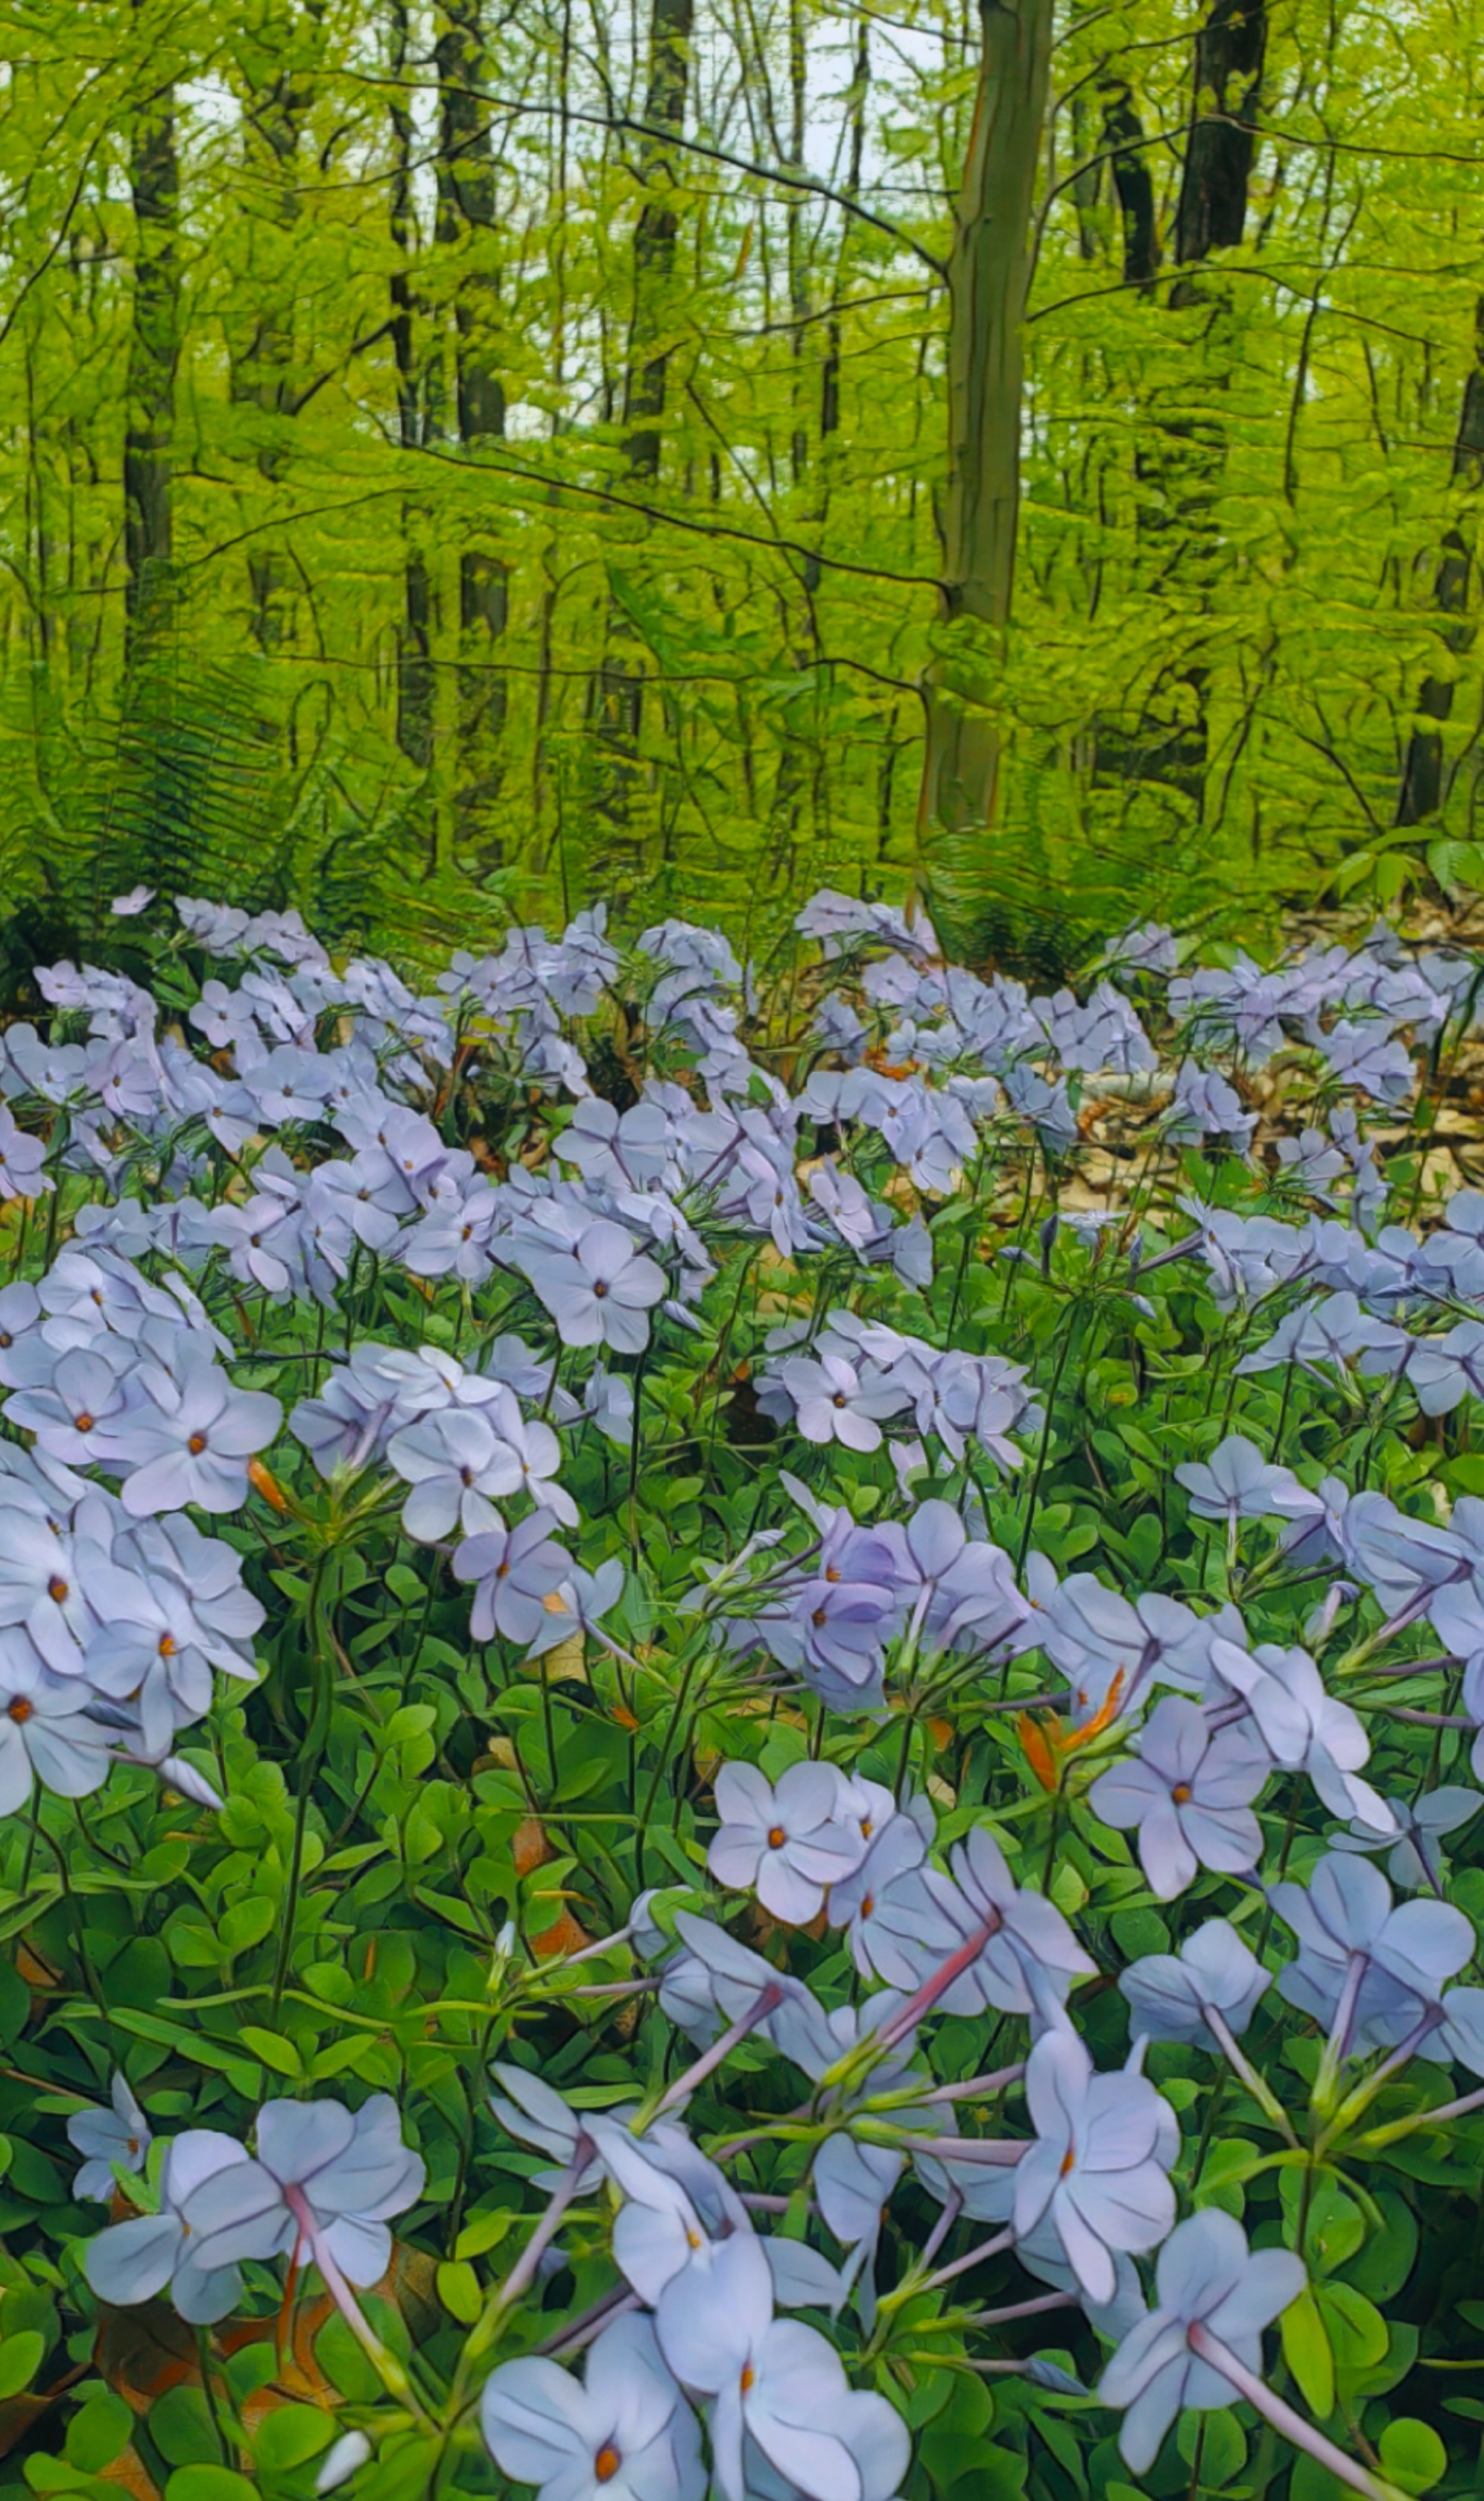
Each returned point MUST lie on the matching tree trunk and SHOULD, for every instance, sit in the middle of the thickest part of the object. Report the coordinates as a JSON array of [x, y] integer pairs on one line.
[[1212, 209], [1133, 185], [619, 692], [1422, 774], [154, 342], [274, 114], [1211, 215], [467, 220], [988, 276], [645, 382], [415, 641]]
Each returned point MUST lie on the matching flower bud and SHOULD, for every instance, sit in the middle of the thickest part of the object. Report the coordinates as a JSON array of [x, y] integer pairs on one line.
[[341, 2460]]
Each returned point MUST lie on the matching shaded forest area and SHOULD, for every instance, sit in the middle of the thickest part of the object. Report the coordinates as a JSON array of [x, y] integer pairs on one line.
[[478, 458]]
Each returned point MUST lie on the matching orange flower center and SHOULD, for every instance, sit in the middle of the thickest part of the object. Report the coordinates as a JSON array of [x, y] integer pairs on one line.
[[748, 2377], [607, 2463], [85, 1423], [776, 1837], [1068, 2162], [1181, 1794], [167, 1646], [56, 1588], [21, 1711], [196, 1445]]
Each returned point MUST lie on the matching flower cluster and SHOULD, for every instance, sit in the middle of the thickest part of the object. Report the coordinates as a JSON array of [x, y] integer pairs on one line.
[[836, 1631]]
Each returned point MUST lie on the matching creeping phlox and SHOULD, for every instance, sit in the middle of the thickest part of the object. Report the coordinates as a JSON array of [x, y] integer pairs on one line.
[[980, 1870]]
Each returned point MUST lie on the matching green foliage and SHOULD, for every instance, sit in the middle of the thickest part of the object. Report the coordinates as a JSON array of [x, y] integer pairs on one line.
[[419, 656]]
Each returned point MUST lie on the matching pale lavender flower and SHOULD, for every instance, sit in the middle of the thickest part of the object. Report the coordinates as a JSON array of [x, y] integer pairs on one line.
[[1028, 1957], [84, 1413], [788, 1843], [895, 1927], [1046, 1105], [1301, 1723], [154, 1650], [193, 1441], [1205, 2276], [600, 1292], [776, 2382], [1189, 1794], [128, 906], [288, 1084], [108, 2139], [1170, 1996], [833, 1403], [1383, 1968], [135, 2260], [21, 1160], [1361, 1056], [624, 2433], [455, 1463], [1208, 1106], [1238, 1483], [1144, 947], [45, 1575], [1099, 1638], [519, 1572], [1443, 1371], [1462, 2027], [1099, 2169], [454, 1240], [530, 2112], [46, 1732], [617, 1149], [1309, 1163], [1413, 1857], [321, 2170]]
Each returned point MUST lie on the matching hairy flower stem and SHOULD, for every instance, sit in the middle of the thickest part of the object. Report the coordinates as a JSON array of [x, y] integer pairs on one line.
[[579, 2333], [976, 2087], [1242, 2066], [1363, 2095], [757, 2013], [1337, 2048], [485, 2334], [383, 2361], [1376, 2137], [1043, 1447], [976, 2257], [1284, 2418], [923, 1999], [1036, 2307]]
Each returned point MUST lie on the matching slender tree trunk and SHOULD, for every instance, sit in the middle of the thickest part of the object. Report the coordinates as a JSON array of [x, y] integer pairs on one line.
[[1230, 49], [988, 277], [1133, 185], [1422, 776], [645, 382], [619, 693], [274, 112], [154, 342], [1212, 210], [467, 222], [414, 645]]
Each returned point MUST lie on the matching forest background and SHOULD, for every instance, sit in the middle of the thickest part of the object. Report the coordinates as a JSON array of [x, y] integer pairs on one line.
[[471, 459]]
